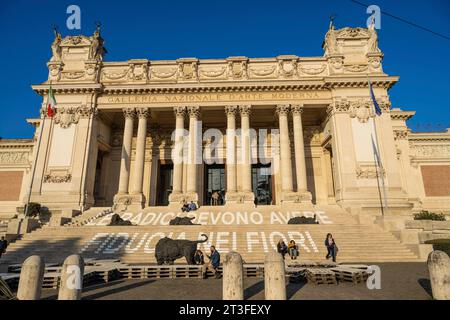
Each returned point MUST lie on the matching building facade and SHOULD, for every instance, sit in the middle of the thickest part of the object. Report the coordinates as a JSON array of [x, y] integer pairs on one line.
[[286, 131]]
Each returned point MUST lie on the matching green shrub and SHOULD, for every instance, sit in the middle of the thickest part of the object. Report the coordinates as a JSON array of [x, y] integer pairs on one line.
[[33, 209], [427, 215]]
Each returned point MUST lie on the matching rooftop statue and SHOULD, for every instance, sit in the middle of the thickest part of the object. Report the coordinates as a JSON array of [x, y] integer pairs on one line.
[[372, 43], [97, 50], [56, 46], [330, 45]]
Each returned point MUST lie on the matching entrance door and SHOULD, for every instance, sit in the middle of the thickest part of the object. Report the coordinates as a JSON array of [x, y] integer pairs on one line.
[[165, 179], [214, 184], [262, 183]]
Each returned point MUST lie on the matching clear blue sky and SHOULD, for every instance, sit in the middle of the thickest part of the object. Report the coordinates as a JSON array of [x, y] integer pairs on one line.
[[217, 29]]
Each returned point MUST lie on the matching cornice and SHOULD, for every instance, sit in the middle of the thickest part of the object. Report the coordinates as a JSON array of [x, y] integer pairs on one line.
[[397, 114], [16, 143], [324, 83], [68, 88], [429, 136]]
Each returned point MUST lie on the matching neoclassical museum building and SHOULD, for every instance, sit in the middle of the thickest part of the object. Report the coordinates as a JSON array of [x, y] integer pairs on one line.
[[287, 131]]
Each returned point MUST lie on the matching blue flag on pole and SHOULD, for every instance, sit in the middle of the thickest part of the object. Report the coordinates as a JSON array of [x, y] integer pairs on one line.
[[375, 103]]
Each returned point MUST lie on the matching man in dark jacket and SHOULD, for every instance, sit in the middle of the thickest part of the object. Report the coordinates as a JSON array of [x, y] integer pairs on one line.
[[3, 246], [213, 265]]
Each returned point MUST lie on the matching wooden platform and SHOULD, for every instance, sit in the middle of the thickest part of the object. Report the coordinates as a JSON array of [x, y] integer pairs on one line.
[[320, 276], [347, 274]]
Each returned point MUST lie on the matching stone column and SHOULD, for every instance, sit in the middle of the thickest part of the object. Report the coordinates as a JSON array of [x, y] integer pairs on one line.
[[31, 277], [233, 277], [72, 273], [231, 152], [274, 277], [177, 156], [285, 150], [191, 183], [300, 164], [124, 179], [138, 179], [439, 268], [246, 154]]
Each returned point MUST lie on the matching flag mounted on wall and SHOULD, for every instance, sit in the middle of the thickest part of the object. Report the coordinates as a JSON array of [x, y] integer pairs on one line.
[[51, 103], [375, 103]]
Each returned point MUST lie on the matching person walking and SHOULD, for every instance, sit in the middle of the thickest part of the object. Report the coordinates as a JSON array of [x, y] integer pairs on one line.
[[332, 248]]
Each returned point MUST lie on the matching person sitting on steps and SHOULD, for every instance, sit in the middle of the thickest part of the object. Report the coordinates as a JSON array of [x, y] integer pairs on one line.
[[185, 207], [199, 258], [282, 248], [293, 250], [213, 265], [192, 206]]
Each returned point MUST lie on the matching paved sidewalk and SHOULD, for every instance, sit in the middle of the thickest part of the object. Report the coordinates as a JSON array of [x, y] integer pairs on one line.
[[398, 281]]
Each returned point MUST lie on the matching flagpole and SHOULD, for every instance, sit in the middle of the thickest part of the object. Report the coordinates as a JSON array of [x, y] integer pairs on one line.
[[35, 164], [379, 167]]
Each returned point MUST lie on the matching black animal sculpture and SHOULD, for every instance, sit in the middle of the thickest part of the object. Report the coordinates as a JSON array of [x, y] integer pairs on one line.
[[168, 250], [303, 220], [116, 220], [185, 221]]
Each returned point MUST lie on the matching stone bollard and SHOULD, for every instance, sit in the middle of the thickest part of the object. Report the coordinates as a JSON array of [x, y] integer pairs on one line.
[[31, 278], [233, 277], [71, 278], [439, 268], [274, 277]]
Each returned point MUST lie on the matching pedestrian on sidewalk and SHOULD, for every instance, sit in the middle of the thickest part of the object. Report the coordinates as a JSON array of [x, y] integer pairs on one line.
[[3, 246]]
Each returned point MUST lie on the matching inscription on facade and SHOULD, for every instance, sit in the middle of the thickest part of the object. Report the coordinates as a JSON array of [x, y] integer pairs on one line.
[[213, 97]]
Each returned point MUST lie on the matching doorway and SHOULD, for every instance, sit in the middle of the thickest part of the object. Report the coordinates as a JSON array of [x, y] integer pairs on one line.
[[262, 183], [164, 184], [214, 184]]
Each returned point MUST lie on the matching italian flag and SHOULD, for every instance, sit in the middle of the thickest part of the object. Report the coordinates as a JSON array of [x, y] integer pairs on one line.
[[51, 103]]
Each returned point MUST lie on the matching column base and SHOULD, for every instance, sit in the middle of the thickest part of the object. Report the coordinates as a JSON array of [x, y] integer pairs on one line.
[[123, 202], [240, 197], [303, 197], [177, 199]]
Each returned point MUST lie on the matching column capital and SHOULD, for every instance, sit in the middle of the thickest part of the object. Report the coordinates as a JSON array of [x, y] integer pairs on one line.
[[282, 109], [245, 110], [193, 111], [297, 109], [129, 113], [231, 110], [179, 111], [143, 113]]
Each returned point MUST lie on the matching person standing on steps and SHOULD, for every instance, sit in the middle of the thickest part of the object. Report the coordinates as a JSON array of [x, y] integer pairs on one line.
[[332, 248]]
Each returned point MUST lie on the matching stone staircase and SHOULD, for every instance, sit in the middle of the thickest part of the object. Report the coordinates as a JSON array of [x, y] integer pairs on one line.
[[252, 234]]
